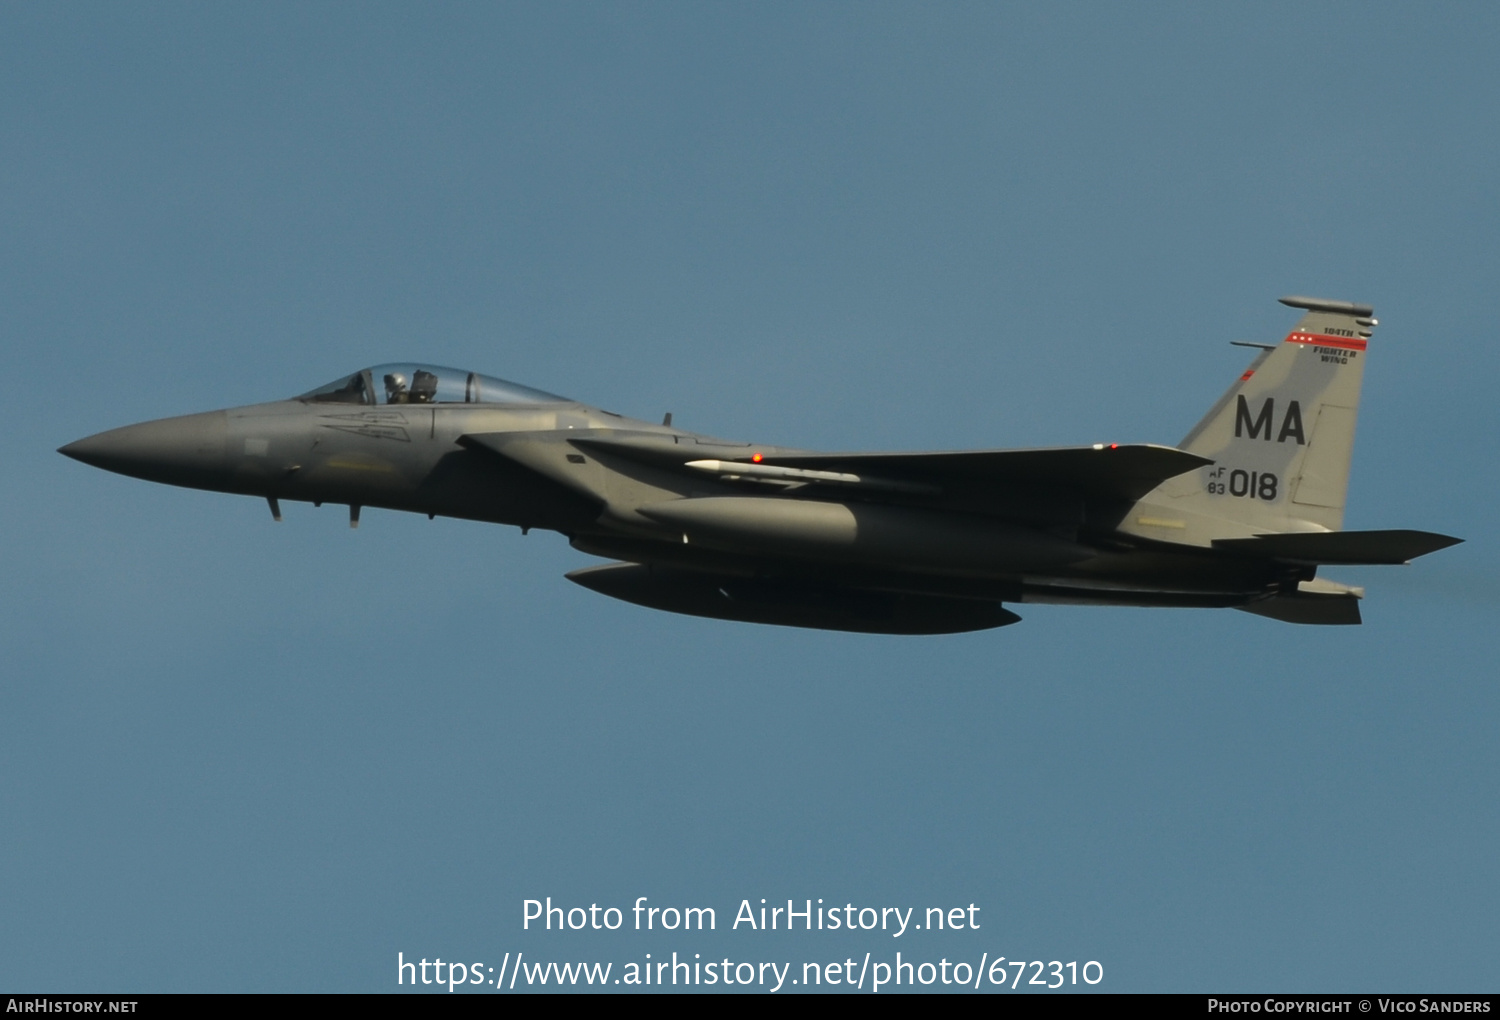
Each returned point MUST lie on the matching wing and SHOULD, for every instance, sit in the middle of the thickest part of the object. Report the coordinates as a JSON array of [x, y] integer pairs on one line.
[[1114, 471]]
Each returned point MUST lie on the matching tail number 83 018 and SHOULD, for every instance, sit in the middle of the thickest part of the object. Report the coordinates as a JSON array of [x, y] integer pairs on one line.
[[1253, 484]]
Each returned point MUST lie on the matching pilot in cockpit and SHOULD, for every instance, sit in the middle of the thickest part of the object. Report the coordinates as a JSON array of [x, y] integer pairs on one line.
[[411, 384], [423, 390]]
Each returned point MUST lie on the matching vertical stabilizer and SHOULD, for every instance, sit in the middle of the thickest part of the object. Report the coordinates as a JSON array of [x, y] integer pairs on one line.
[[1281, 438]]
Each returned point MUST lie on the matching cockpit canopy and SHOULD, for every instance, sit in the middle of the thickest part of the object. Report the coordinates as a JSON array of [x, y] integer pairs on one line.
[[426, 384]]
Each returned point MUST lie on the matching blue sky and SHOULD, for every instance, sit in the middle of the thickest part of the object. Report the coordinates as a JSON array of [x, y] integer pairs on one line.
[[246, 756]]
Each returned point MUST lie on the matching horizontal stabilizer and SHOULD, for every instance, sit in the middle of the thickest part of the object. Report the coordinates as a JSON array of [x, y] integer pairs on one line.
[[1346, 547]]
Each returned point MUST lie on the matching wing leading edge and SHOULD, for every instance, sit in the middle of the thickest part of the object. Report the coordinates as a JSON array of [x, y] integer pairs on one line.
[[1115, 471]]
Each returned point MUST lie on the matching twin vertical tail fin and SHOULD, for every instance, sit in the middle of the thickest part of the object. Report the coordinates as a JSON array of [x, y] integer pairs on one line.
[[1282, 436], [1280, 441]]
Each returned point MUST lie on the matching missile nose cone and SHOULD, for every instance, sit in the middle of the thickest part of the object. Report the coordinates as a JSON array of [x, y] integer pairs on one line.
[[189, 450]]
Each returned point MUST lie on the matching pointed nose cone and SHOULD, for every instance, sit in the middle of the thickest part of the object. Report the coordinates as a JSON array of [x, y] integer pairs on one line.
[[179, 451]]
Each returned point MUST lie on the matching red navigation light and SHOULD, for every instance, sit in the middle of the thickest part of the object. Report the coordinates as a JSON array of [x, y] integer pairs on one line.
[[757, 458], [1114, 446]]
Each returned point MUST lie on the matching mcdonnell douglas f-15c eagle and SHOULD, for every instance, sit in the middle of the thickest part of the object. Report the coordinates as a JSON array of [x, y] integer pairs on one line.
[[1242, 513]]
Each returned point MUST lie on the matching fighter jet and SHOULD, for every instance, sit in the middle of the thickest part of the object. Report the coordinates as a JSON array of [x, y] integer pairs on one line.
[[1241, 513]]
